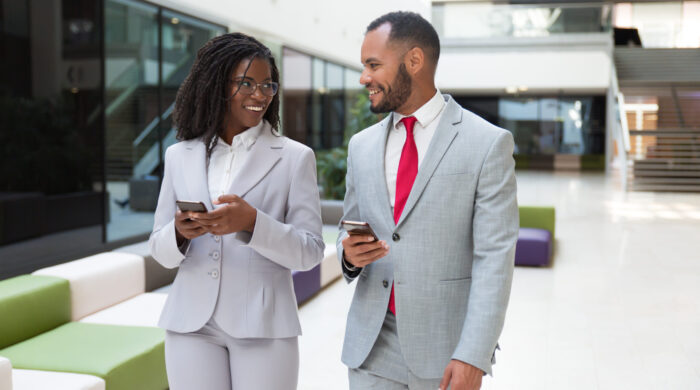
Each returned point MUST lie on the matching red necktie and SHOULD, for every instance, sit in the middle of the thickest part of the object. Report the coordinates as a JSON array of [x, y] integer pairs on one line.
[[408, 169]]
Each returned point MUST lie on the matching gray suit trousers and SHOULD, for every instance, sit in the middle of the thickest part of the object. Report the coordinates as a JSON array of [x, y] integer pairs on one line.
[[385, 367], [210, 359]]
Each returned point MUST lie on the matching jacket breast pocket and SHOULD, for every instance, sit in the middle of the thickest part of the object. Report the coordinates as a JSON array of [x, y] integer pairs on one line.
[[454, 173], [455, 281]]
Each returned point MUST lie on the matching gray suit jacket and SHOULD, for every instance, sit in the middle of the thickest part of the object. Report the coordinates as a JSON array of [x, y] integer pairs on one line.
[[451, 260], [246, 277]]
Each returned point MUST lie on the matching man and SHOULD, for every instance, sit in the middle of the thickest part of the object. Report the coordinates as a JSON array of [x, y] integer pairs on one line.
[[439, 183]]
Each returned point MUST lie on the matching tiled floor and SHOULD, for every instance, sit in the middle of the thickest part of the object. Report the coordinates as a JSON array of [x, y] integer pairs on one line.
[[619, 308]]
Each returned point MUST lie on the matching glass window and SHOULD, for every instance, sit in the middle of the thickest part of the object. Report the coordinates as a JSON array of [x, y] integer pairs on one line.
[[333, 107], [143, 77], [662, 24], [182, 37], [51, 193], [317, 98], [353, 91], [521, 116], [297, 86], [319, 89], [131, 97], [546, 125], [462, 19]]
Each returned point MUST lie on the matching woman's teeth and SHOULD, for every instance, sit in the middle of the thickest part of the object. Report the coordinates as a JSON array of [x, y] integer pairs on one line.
[[254, 108]]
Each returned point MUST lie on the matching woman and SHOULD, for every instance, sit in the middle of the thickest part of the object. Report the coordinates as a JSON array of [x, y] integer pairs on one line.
[[231, 315]]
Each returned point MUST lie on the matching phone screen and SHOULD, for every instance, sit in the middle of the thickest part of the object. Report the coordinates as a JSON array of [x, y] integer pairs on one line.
[[185, 205], [353, 227]]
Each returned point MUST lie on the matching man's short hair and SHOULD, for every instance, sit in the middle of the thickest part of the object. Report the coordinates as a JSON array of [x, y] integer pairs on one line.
[[411, 28]]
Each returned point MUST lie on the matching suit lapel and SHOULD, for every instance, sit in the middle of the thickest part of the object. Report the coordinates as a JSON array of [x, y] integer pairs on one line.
[[379, 180], [263, 156], [444, 134], [195, 168]]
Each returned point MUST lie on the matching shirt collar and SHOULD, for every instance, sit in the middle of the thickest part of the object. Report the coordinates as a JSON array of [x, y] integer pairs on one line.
[[426, 113], [247, 138]]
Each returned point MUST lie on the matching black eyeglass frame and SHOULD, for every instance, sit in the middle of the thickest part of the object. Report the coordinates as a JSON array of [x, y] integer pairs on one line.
[[254, 86]]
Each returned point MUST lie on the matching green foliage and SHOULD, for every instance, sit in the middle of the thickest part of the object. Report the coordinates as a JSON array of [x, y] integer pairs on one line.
[[40, 148], [331, 164]]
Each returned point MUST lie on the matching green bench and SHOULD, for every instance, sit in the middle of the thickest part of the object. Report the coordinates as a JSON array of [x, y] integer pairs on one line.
[[36, 334]]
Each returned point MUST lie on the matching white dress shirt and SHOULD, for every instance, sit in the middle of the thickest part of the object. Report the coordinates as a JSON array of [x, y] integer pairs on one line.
[[428, 116], [226, 160]]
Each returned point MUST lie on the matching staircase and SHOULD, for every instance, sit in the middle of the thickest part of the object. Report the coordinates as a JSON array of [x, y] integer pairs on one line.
[[132, 136], [124, 123], [670, 163], [660, 117]]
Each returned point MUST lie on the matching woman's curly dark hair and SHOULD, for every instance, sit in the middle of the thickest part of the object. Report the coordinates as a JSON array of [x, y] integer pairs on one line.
[[202, 100]]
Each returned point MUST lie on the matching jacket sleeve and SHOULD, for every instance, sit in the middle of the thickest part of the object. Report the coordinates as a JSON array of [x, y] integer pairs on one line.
[[350, 212], [495, 232], [163, 242], [296, 243]]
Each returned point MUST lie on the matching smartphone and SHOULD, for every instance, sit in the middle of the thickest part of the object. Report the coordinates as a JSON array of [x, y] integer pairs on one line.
[[354, 227], [185, 205]]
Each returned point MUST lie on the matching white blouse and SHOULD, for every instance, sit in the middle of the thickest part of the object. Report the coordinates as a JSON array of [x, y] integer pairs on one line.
[[226, 160]]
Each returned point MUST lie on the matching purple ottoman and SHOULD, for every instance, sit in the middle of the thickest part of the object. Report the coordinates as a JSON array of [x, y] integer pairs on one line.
[[534, 247], [306, 283]]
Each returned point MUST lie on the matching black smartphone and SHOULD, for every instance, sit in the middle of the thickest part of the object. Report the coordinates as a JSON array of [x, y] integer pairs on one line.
[[354, 227], [185, 205]]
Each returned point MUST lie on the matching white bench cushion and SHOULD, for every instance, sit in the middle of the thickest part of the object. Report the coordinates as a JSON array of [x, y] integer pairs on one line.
[[34, 380], [100, 281], [330, 267], [141, 310], [5, 374]]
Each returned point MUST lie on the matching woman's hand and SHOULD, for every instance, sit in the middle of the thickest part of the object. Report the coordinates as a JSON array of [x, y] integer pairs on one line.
[[186, 227], [235, 216]]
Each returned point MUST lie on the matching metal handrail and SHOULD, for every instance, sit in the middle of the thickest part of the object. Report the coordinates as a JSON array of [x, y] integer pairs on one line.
[[166, 114], [151, 126], [532, 26], [528, 5], [624, 126], [667, 132]]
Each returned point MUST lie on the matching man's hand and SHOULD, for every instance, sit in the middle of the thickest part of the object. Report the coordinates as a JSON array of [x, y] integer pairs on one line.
[[235, 216], [461, 376], [361, 250], [186, 228]]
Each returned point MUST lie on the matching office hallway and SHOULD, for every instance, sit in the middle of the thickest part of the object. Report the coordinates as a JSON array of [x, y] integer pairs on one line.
[[618, 308]]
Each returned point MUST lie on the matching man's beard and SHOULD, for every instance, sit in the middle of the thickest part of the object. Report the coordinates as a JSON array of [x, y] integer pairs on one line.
[[396, 94]]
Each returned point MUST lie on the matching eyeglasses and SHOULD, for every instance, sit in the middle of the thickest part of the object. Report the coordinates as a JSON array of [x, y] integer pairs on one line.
[[248, 87]]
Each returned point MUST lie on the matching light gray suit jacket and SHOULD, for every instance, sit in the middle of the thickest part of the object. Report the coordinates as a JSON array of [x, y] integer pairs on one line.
[[248, 275], [452, 264]]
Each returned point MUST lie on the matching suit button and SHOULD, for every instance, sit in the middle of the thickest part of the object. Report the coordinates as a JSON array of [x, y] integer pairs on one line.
[[217, 238], [214, 273], [395, 237], [385, 283], [215, 255]]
